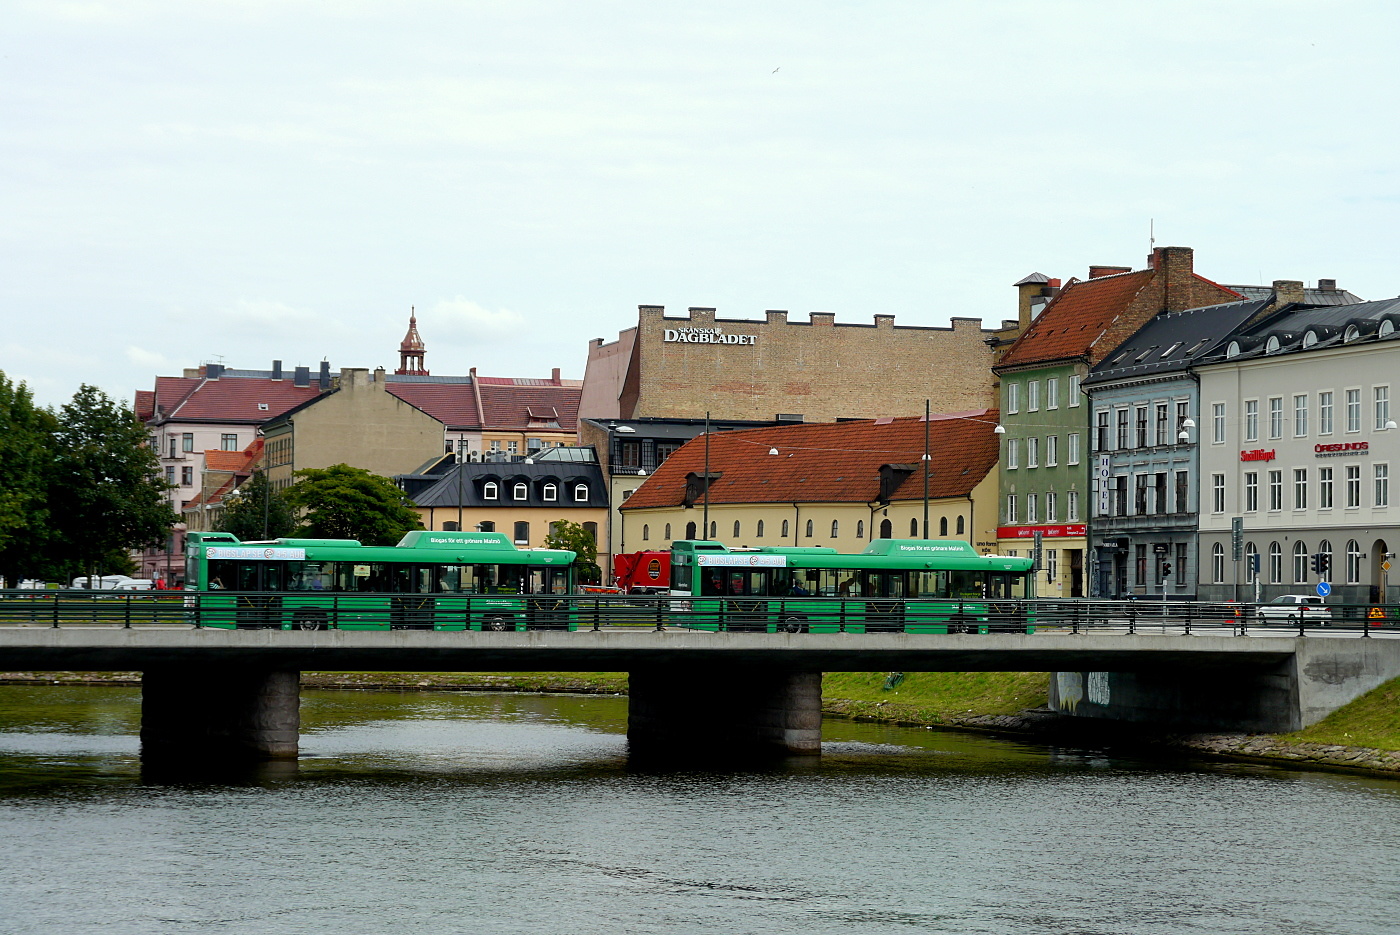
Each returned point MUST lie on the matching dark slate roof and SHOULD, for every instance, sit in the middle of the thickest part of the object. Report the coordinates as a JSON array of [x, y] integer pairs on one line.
[[1329, 326], [1173, 341], [1310, 296], [462, 486]]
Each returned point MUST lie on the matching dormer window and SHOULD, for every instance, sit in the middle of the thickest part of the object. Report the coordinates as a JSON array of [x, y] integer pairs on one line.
[[1271, 346], [1351, 334], [491, 491], [1309, 338], [1232, 349], [551, 492], [1171, 350], [521, 491], [580, 493], [1387, 328]]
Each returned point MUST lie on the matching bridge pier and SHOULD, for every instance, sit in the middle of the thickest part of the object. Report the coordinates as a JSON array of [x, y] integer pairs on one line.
[[679, 712], [194, 714]]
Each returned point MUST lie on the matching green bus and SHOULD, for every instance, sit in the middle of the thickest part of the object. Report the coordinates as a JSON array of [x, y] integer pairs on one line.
[[430, 580], [895, 585]]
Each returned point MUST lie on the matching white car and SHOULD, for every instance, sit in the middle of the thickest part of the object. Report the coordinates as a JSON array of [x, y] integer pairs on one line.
[[1292, 608]]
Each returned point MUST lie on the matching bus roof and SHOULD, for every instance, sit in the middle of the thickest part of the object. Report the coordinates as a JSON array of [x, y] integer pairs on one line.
[[950, 554], [427, 546]]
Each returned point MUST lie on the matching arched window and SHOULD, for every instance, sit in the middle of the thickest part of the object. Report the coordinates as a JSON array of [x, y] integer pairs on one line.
[[451, 527], [860, 529], [551, 491], [1271, 345], [646, 531], [486, 525], [1232, 349], [758, 530], [1251, 558], [811, 529], [1275, 563], [736, 529], [580, 493], [1309, 338], [714, 529], [491, 490], [834, 527], [690, 530], [943, 526], [960, 525], [913, 529], [785, 529], [1351, 334], [522, 533], [520, 491], [1387, 328], [1217, 563], [1300, 562], [1353, 562], [886, 529], [668, 532]]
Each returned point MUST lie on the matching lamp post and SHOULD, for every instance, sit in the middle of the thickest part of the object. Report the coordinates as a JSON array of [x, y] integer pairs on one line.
[[926, 466], [705, 517]]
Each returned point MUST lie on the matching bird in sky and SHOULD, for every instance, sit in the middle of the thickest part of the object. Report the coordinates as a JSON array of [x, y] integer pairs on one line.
[[775, 71]]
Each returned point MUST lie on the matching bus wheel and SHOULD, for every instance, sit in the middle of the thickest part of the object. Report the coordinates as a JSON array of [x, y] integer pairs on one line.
[[309, 618], [498, 624], [794, 624]]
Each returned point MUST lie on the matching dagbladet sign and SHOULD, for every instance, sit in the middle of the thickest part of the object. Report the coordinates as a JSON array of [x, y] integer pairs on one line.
[[706, 336]]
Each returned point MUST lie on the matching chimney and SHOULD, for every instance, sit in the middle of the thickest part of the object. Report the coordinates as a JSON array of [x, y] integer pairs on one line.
[[378, 374], [554, 377], [301, 376], [352, 378], [1287, 290], [1327, 285], [213, 371], [1177, 266], [325, 375], [1030, 289], [1098, 272], [277, 370]]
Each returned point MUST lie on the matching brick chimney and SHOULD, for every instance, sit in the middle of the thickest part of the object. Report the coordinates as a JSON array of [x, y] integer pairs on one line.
[[1098, 272], [1327, 285], [1287, 290], [1176, 266]]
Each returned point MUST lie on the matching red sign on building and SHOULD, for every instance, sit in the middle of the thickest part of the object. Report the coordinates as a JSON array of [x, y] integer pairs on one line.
[[1257, 454], [1049, 532]]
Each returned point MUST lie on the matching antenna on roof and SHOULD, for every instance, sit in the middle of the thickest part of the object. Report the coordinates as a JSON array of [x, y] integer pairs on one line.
[[1151, 235]]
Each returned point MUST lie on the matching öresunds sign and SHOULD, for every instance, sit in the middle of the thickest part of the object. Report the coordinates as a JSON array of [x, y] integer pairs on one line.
[[706, 336]]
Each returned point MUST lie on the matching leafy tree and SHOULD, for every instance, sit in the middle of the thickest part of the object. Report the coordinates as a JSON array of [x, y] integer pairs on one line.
[[26, 436], [104, 493], [344, 502], [256, 511], [564, 534]]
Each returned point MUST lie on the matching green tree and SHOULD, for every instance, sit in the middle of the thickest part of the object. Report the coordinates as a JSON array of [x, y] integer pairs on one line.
[[344, 502], [26, 446], [104, 493], [256, 511], [564, 534]]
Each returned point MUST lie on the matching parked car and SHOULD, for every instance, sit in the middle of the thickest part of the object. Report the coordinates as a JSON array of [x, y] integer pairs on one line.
[[1295, 607]]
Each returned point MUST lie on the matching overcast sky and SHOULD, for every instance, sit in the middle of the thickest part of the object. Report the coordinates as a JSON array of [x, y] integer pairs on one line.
[[242, 181]]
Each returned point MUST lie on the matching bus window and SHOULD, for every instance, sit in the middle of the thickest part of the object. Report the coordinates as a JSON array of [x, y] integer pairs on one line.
[[712, 582], [459, 579], [508, 579], [310, 576], [549, 581], [928, 584], [1006, 586], [965, 585]]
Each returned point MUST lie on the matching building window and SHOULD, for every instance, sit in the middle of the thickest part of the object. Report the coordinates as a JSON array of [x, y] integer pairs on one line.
[[835, 527], [1101, 439], [1300, 562], [580, 493], [1074, 391], [1275, 563], [1032, 501], [1324, 488], [1160, 504], [1013, 397], [668, 529], [1052, 507], [1275, 491], [1140, 561], [1118, 500], [1011, 509], [1032, 452], [1180, 577], [714, 529], [943, 526], [1072, 455], [1324, 413], [520, 491], [495, 445], [1052, 450], [1251, 491], [1163, 438], [914, 529], [757, 530], [1217, 563], [1052, 393], [1183, 487], [512, 448], [1013, 453], [664, 450], [646, 531], [886, 529], [1300, 415], [491, 491], [1382, 397], [690, 530], [629, 454], [1251, 420], [811, 529], [1382, 484], [551, 491], [187, 476], [736, 529], [960, 526], [1140, 421], [1217, 423], [860, 529], [1140, 488], [1353, 562], [1217, 493], [187, 441], [1275, 416], [1353, 485], [228, 442], [1300, 488], [1033, 396], [1251, 560], [170, 474], [786, 532], [1052, 565], [1353, 410], [1071, 508], [1122, 415], [522, 533]]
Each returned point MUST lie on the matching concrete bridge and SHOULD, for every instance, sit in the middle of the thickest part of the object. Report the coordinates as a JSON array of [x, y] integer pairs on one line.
[[234, 693]]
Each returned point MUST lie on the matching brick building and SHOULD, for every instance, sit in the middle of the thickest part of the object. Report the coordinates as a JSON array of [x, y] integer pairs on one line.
[[814, 371]]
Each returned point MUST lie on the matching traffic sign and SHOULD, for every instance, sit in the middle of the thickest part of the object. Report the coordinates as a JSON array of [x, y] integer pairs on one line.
[[1323, 589]]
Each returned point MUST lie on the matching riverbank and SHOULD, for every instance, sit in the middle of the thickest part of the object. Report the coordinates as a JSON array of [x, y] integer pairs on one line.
[[1364, 735]]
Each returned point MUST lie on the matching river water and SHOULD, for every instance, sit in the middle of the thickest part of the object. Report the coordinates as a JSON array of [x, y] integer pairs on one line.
[[469, 813]]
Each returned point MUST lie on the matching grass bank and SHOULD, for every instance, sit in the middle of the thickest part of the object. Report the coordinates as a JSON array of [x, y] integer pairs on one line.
[[925, 698], [1373, 720]]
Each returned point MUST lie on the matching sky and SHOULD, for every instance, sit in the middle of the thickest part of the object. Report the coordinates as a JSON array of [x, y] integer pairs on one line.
[[240, 181]]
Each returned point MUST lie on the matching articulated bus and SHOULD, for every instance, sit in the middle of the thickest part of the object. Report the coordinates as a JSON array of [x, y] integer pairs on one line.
[[895, 585], [430, 580]]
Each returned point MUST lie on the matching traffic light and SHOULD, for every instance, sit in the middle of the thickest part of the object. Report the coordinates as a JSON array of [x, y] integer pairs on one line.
[[1317, 563], [1324, 563], [1166, 569]]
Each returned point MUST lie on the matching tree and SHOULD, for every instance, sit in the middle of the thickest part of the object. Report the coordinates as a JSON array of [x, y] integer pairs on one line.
[[564, 534], [256, 511], [104, 493], [344, 502], [26, 446]]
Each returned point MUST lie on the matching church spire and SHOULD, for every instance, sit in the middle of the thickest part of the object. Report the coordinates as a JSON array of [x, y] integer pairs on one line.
[[411, 350]]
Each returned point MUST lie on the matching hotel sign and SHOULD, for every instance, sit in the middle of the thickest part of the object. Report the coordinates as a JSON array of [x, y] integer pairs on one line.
[[706, 336]]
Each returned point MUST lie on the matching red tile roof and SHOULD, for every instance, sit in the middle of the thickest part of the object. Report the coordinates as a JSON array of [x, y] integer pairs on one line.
[[239, 465], [452, 404], [228, 399], [505, 404], [1076, 319], [145, 405], [830, 462]]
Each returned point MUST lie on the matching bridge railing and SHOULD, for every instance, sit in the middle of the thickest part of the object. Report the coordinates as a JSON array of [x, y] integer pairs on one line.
[[748, 614]]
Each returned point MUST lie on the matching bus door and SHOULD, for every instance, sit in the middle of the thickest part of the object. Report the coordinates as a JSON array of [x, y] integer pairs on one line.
[[1006, 611], [411, 602], [744, 606], [885, 593], [548, 604], [258, 605]]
